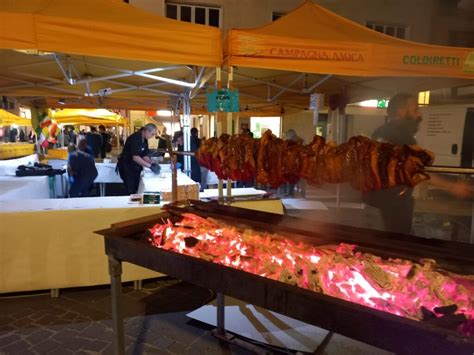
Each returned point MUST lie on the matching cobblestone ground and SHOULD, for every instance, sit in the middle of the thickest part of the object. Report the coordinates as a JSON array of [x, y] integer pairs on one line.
[[79, 322]]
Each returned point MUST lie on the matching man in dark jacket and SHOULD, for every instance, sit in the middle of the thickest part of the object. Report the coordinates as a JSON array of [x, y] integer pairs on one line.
[[94, 141], [105, 141], [135, 157], [82, 171]]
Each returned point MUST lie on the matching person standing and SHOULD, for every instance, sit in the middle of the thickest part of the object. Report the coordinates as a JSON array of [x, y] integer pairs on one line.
[[81, 169], [195, 143], [72, 135], [22, 137], [291, 135], [105, 141], [13, 134], [135, 157], [94, 141], [178, 141], [396, 204]]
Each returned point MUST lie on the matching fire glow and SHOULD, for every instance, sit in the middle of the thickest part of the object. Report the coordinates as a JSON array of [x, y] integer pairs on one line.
[[396, 286]]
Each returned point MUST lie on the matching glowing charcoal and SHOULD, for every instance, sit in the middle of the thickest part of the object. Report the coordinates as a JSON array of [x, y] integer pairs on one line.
[[396, 286]]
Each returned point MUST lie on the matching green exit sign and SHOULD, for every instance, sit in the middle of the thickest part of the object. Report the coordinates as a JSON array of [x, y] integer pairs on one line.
[[382, 103]]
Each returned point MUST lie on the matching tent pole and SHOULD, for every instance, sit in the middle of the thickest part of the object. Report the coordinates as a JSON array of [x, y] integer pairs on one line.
[[187, 133], [220, 186], [230, 85]]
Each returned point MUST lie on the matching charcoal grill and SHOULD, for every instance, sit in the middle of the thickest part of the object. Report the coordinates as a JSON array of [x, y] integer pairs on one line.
[[128, 241]]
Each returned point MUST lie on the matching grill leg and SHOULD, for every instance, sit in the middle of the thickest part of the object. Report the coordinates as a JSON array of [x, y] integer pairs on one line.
[[220, 314], [115, 272], [472, 224], [137, 285]]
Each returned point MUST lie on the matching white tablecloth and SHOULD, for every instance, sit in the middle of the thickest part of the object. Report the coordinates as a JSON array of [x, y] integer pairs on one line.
[[106, 173], [8, 167], [25, 187], [85, 203]]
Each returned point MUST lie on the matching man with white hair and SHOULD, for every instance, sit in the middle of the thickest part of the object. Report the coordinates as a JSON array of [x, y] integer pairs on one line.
[[135, 157]]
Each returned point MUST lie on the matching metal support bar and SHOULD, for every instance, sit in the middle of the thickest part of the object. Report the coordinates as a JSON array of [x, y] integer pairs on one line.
[[318, 83], [42, 85], [174, 179], [147, 87], [123, 72], [203, 82], [199, 76], [268, 83], [449, 170], [220, 313], [294, 81], [168, 80], [57, 59], [115, 272], [31, 75]]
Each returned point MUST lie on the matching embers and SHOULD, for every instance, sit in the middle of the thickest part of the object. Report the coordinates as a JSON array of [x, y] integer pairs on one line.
[[413, 290]]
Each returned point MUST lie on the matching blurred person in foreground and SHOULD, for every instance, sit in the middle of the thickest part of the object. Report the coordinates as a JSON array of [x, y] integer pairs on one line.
[[396, 204], [81, 169], [135, 157]]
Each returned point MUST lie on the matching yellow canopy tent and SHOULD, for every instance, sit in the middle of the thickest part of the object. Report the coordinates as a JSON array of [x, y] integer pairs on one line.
[[8, 119], [105, 28], [312, 39], [87, 117]]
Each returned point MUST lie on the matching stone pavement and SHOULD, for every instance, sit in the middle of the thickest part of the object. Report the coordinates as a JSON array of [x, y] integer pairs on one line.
[[79, 322]]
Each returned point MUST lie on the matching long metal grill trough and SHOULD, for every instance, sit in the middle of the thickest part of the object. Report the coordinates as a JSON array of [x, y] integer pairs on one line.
[[379, 312]]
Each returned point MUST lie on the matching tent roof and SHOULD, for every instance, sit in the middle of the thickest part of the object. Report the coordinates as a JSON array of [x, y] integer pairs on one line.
[[105, 28], [8, 119], [87, 117], [313, 39]]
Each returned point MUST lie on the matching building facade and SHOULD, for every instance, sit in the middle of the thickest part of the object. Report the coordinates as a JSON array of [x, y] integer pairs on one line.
[[445, 22]]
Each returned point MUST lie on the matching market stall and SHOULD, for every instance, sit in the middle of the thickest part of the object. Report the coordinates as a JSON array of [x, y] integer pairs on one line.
[[313, 50], [87, 53], [14, 150], [312, 39], [87, 117]]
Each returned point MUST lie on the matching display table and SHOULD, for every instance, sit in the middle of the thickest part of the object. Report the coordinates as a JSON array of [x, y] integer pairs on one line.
[[106, 174], [8, 167], [20, 188], [49, 244]]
